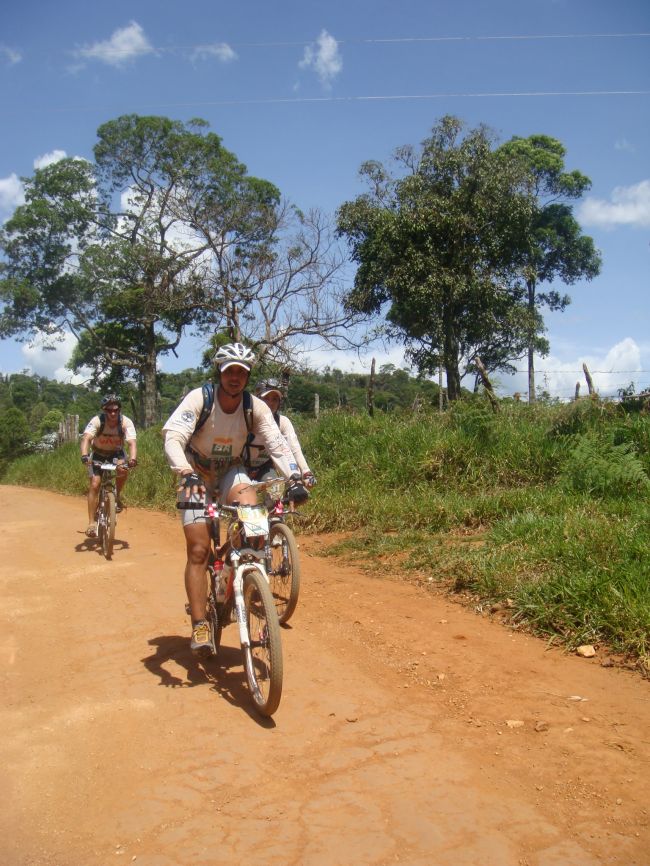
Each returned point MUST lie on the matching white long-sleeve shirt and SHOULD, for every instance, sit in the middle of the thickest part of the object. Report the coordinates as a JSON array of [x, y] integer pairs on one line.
[[259, 455], [222, 438]]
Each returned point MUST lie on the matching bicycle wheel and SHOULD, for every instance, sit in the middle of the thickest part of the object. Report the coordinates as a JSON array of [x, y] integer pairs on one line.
[[263, 657], [284, 571], [107, 517]]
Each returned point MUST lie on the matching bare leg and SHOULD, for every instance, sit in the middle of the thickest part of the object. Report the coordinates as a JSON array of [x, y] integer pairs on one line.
[[93, 496], [197, 538]]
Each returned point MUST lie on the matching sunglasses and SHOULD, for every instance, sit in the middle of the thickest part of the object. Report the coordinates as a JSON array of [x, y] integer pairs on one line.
[[112, 409]]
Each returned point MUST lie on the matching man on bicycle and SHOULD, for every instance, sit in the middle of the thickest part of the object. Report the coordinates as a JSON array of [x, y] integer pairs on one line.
[[103, 441], [261, 464], [213, 458]]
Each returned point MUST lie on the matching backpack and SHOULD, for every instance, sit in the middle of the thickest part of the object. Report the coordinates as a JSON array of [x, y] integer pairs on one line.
[[247, 405]]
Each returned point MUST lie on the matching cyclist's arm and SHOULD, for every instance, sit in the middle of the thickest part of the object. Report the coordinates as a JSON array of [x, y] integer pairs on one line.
[[88, 435], [288, 431], [130, 437], [178, 430], [268, 431]]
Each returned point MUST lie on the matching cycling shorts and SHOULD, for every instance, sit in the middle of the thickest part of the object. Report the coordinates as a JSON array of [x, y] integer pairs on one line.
[[231, 477]]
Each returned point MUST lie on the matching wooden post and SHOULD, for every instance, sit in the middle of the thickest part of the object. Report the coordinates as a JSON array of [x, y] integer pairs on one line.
[[590, 384], [487, 384], [316, 405], [370, 394], [577, 394]]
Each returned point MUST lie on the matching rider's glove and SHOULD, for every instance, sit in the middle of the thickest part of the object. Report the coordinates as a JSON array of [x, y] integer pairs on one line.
[[85, 458], [191, 480], [308, 479], [296, 492]]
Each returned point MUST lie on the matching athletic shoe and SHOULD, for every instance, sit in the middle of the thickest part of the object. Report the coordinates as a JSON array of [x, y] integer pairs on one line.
[[91, 532], [201, 638]]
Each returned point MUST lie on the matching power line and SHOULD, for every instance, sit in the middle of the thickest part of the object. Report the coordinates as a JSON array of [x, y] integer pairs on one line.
[[290, 100]]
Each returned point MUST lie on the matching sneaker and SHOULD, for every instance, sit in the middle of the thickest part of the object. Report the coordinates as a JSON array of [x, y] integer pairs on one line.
[[91, 532], [201, 638]]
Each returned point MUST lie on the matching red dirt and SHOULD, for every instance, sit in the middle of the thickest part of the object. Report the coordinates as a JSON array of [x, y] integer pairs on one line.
[[391, 743]]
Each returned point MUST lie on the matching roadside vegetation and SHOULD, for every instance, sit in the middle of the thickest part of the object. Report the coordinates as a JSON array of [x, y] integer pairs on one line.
[[541, 512]]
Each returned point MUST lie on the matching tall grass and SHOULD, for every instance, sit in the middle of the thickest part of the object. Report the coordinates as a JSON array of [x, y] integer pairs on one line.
[[547, 506]]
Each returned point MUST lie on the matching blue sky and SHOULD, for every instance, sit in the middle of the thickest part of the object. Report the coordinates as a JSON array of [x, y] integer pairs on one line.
[[303, 93]]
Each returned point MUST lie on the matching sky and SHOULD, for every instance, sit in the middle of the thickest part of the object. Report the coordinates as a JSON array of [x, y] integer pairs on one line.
[[304, 93]]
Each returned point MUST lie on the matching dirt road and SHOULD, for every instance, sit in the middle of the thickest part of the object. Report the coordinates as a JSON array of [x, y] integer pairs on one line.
[[406, 733]]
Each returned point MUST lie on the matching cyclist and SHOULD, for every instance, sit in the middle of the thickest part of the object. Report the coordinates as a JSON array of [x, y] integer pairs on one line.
[[103, 440], [213, 458], [261, 464]]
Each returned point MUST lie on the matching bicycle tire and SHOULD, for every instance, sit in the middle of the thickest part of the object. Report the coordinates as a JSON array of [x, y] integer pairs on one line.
[[284, 571], [108, 535], [263, 657]]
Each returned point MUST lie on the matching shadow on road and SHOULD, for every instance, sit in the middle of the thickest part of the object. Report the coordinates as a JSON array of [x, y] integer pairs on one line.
[[92, 545], [223, 673]]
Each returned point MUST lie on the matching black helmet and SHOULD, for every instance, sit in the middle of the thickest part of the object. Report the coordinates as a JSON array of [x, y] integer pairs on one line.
[[111, 398]]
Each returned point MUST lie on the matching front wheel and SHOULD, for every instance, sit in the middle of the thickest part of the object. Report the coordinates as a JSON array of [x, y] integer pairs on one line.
[[106, 522], [263, 656], [284, 571]]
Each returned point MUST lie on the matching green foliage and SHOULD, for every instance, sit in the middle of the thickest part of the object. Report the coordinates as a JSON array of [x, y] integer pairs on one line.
[[599, 467], [50, 422], [441, 245], [14, 433]]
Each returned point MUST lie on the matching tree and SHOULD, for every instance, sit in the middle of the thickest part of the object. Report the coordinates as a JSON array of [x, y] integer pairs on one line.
[[439, 244], [555, 247], [109, 252], [166, 231], [14, 433]]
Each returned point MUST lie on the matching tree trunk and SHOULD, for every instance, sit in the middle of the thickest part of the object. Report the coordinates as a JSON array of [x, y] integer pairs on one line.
[[450, 357], [531, 362], [149, 378]]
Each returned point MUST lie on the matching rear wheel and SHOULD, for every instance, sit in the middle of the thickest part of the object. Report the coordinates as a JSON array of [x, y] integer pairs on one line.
[[284, 571], [107, 522], [263, 656]]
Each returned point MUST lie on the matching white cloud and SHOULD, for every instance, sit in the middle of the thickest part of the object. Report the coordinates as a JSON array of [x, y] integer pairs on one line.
[[11, 55], [629, 205], [324, 58], [12, 192], [125, 44], [219, 50], [50, 362], [624, 144], [49, 158], [614, 369]]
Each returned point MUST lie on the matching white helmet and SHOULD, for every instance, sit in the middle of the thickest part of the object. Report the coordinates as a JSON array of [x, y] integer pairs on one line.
[[234, 353]]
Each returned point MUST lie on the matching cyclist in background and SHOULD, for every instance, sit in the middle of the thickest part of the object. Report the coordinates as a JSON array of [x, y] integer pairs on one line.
[[212, 456], [103, 440], [261, 464]]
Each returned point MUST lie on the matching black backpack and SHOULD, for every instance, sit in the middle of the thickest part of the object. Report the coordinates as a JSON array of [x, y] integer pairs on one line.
[[247, 405]]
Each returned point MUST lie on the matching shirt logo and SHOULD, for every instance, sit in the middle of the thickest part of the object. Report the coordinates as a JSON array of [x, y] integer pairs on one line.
[[187, 416]]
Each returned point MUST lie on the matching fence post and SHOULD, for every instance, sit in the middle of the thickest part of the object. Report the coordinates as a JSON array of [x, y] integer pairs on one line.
[[487, 384], [371, 387], [590, 384], [316, 405]]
